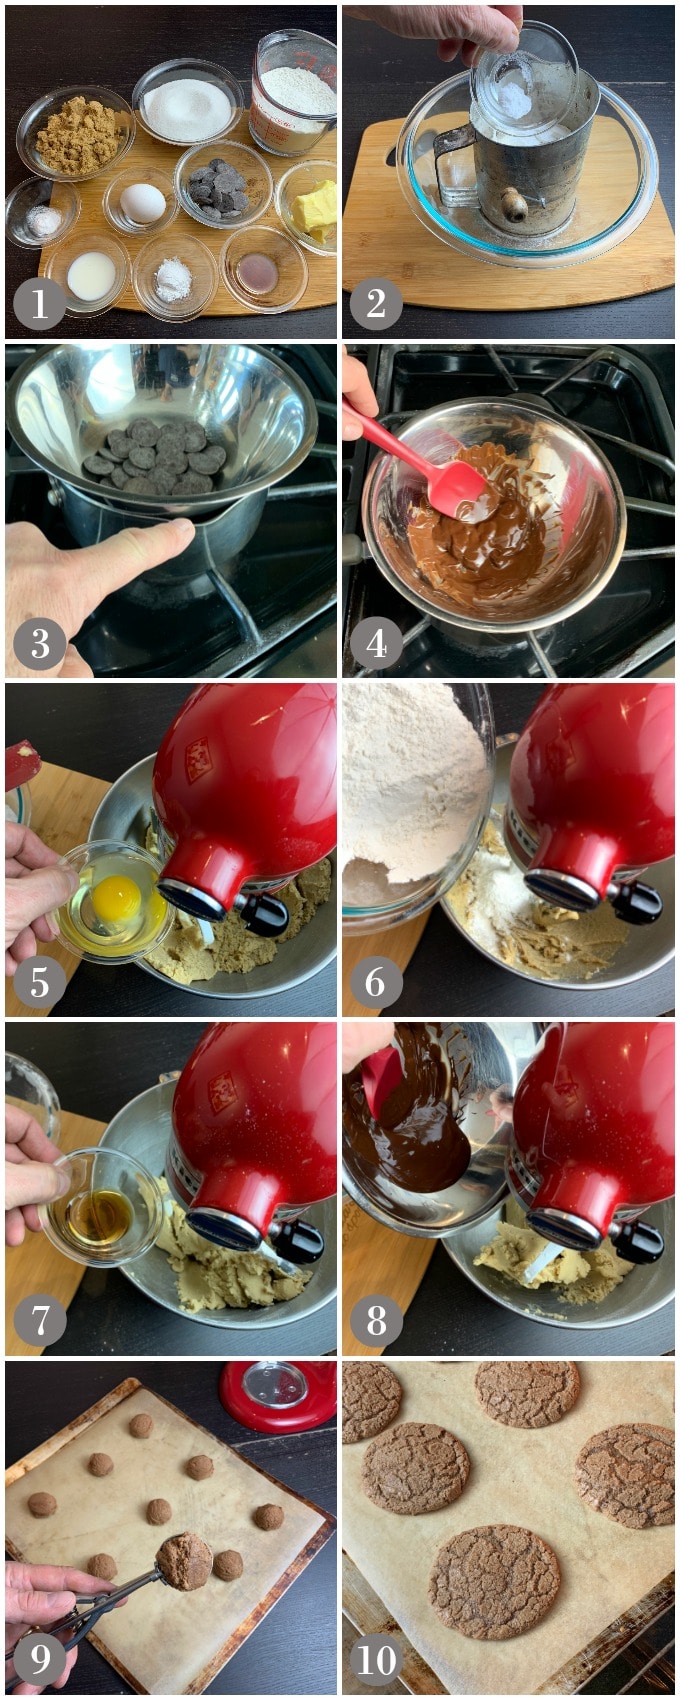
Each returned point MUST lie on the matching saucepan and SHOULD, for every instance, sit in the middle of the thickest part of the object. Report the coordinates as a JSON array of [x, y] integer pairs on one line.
[[585, 524]]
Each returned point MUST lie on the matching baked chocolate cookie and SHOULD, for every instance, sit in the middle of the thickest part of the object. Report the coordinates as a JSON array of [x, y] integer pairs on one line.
[[527, 1395], [371, 1396], [628, 1473], [494, 1582], [417, 1467]]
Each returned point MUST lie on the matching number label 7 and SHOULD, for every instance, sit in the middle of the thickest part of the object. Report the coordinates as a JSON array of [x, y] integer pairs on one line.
[[46, 1311]]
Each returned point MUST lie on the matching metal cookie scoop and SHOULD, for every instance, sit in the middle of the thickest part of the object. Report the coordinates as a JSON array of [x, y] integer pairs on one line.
[[457, 490]]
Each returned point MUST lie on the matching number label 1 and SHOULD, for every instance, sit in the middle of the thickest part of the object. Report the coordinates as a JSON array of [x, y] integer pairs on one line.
[[376, 1659]]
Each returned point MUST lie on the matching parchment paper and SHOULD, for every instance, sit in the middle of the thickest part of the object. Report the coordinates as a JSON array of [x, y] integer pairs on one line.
[[162, 1637], [521, 1476]]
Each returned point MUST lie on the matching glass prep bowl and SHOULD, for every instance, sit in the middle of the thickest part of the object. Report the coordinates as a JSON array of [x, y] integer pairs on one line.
[[77, 1222], [109, 929], [289, 260], [254, 170], [114, 212], [35, 119], [191, 252], [60, 260], [543, 69], [303, 179], [603, 216], [18, 805], [203, 70], [28, 1088], [40, 192], [369, 900]]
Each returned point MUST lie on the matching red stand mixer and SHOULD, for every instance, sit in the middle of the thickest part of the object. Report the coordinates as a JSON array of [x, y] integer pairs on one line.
[[592, 1144], [254, 1136], [592, 796], [244, 788]]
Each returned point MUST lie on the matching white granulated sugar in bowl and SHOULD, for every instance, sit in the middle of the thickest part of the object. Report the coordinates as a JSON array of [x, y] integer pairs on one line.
[[188, 109], [415, 776]]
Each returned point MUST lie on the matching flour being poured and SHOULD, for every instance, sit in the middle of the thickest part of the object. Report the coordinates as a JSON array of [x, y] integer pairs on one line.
[[415, 776]]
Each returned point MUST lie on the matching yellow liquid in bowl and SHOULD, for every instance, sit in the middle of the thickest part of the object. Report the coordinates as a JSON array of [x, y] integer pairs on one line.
[[116, 911]]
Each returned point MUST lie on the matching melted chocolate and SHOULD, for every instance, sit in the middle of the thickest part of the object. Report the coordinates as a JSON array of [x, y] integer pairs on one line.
[[482, 559], [417, 1143]]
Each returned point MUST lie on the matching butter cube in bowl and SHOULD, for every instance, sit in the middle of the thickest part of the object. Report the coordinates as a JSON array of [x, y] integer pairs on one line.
[[307, 204]]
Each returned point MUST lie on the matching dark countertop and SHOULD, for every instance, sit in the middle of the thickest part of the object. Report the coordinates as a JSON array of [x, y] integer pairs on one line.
[[120, 43], [448, 977], [95, 1075], [103, 729], [293, 1650], [631, 50]]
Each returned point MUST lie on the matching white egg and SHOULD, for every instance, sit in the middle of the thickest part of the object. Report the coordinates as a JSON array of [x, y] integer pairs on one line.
[[142, 203]]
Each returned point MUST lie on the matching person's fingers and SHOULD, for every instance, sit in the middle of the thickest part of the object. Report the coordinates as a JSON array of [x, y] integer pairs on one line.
[[34, 1183], [15, 1228], [31, 1219], [93, 574], [62, 1680], [73, 667], [40, 891], [351, 427], [26, 848], [55, 1577], [361, 1038], [497, 40], [488, 26], [24, 945], [22, 1129], [38, 1605], [46, 928], [357, 387], [448, 50]]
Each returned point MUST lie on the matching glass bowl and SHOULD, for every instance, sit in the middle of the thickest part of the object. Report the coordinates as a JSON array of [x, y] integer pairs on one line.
[[255, 171], [369, 899], [36, 117], [18, 805], [170, 72], [112, 1213], [107, 930], [192, 253], [274, 126], [114, 212], [27, 1087], [41, 192], [275, 246], [303, 179], [61, 258]]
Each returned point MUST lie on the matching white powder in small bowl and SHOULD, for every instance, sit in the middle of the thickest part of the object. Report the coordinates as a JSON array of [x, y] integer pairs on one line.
[[189, 109], [173, 281]]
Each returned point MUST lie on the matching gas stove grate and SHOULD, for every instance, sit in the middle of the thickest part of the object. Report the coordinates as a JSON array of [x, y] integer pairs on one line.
[[614, 396]]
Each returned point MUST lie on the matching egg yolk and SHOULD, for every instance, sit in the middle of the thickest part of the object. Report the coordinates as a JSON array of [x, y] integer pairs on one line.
[[116, 898]]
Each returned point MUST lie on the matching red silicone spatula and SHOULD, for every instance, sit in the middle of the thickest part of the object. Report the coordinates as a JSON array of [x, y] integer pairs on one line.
[[447, 486], [22, 763], [380, 1073]]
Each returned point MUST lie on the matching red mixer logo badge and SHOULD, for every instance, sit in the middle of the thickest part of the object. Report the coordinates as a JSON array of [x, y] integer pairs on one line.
[[222, 1093], [197, 759]]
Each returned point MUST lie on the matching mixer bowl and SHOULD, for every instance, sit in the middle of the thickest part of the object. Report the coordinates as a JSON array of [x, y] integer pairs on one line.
[[588, 525], [645, 1289], [141, 1130], [63, 401], [125, 813]]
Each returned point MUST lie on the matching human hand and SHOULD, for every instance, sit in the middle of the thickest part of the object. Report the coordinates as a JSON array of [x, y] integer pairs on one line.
[[30, 1175], [66, 585], [37, 1595], [356, 385], [452, 27], [361, 1038], [35, 883]]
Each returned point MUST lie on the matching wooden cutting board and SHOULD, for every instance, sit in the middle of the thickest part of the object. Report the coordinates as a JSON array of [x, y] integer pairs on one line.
[[162, 1641], [614, 1581], [398, 943], [62, 807], [37, 1266], [383, 238], [321, 289], [377, 1260]]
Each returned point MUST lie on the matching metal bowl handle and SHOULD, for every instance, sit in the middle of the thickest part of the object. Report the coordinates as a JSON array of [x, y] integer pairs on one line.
[[451, 141]]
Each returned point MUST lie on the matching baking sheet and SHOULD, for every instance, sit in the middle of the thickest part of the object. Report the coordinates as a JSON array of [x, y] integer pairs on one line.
[[522, 1476], [162, 1641]]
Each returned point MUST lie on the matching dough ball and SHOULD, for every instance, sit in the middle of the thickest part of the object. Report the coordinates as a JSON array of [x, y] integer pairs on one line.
[[228, 1565], [268, 1516], [100, 1464], [200, 1467], [42, 1505], [158, 1511], [103, 1566], [185, 1561], [141, 1426]]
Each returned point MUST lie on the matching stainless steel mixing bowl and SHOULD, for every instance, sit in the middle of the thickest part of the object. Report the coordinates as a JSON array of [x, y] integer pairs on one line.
[[125, 814], [142, 1129], [63, 401], [645, 1289], [588, 522]]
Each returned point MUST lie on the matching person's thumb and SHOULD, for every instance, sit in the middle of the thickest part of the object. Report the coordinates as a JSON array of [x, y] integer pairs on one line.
[[96, 572], [37, 893], [26, 1606], [34, 1183]]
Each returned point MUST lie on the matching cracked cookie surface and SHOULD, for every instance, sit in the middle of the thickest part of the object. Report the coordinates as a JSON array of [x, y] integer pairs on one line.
[[527, 1395], [371, 1396], [417, 1467], [494, 1582], [628, 1473]]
